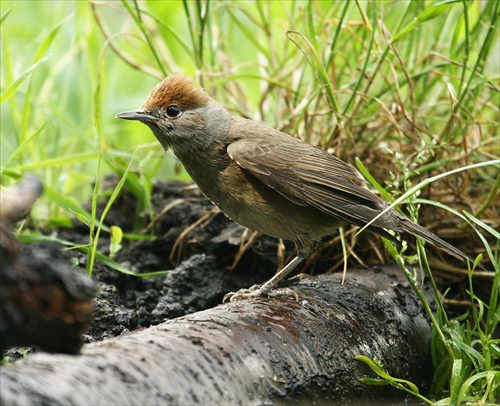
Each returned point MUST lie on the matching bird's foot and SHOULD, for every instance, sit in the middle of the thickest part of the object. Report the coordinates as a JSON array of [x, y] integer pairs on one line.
[[259, 291], [267, 290], [294, 279]]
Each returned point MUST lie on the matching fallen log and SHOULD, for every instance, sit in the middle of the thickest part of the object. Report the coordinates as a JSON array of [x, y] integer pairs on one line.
[[271, 351], [42, 301]]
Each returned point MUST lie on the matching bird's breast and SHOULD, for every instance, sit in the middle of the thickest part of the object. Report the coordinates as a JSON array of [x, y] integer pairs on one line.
[[254, 205]]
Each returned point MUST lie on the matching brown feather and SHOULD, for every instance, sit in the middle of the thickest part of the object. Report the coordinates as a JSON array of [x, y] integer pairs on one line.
[[311, 177], [176, 90]]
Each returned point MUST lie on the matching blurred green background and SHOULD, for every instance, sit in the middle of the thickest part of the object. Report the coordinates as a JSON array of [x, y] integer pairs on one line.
[[69, 66]]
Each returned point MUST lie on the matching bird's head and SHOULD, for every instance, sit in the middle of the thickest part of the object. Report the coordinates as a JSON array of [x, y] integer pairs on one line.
[[177, 112]]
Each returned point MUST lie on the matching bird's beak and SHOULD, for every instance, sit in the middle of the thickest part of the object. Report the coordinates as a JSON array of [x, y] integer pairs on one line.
[[137, 115]]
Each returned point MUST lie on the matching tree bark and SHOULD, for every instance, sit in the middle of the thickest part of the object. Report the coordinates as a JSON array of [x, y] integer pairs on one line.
[[42, 302], [271, 351]]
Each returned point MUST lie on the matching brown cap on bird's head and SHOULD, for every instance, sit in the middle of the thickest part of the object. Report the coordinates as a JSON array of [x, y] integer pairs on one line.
[[176, 90]]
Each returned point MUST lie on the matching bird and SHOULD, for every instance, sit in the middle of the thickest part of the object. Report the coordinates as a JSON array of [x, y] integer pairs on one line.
[[266, 180]]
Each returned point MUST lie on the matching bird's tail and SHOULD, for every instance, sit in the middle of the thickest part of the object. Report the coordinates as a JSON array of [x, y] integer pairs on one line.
[[412, 228]]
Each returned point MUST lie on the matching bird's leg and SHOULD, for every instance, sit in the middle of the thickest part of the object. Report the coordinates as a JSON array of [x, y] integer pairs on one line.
[[279, 276], [266, 288]]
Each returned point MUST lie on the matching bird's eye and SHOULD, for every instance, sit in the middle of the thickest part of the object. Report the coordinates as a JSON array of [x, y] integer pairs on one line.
[[173, 111]]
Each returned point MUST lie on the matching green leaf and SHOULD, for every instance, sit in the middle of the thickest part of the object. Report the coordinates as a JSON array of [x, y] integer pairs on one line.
[[67, 203], [116, 235], [69, 159], [377, 367], [120, 268], [428, 14], [455, 379], [374, 365], [84, 219], [483, 225], [372, 180], [489, 376], [48, 40], [32, 238], [11, 89], [22, 146], [375, 381], [4, 16]]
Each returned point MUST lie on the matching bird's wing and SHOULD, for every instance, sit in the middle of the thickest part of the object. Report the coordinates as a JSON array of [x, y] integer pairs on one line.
[[307, 175]]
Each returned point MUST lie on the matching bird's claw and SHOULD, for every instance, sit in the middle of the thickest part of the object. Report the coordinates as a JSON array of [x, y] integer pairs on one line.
[[298, 278]]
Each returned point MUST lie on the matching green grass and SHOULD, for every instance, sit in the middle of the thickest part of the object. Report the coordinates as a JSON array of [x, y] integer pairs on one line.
[[410, 88]]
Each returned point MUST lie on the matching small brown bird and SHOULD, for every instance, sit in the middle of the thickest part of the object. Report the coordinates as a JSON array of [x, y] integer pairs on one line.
[[264, 179]]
